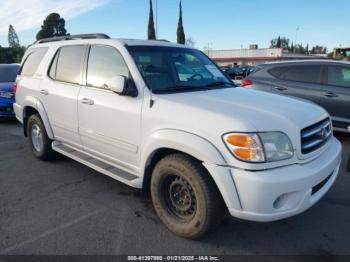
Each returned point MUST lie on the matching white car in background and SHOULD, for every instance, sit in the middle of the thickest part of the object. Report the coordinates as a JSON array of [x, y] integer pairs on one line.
[[198, 143]]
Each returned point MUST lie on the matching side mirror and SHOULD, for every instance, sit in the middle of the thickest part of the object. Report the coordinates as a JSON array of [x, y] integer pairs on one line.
[[118, 84]]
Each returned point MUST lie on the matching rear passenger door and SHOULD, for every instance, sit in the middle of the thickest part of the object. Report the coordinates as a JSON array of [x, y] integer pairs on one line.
[[109, 124], [59, 92], [302, 81], [336, 95]]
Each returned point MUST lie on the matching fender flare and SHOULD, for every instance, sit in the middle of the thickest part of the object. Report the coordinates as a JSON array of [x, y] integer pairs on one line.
[[200, 148], [182, 141], [38, 106]]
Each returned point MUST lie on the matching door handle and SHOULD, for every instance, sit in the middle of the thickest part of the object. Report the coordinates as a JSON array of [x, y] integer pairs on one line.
[[87, 101], [279, 88], [330, 94], [44, 92]]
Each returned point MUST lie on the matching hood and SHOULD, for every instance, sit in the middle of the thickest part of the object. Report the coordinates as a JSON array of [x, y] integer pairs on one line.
[[7, 87], [216, 112]]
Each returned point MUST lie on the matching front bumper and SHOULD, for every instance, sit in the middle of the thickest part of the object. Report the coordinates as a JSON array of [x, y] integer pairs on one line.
[[278, 193]]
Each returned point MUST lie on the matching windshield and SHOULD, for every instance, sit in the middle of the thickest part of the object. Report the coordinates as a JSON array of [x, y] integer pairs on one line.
[[168, 69], [8, 73]]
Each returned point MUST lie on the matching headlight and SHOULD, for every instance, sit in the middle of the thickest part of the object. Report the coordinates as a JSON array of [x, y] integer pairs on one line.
[[261, 147]]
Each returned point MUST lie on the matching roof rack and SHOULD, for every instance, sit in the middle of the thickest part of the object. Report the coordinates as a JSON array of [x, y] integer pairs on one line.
[[72, 37]]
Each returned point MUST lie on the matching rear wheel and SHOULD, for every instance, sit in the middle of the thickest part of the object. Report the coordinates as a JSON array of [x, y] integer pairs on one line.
[[39, 141], [185, 197]]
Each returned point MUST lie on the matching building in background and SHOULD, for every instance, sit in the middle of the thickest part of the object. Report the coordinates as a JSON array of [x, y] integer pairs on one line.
[[254, 56]]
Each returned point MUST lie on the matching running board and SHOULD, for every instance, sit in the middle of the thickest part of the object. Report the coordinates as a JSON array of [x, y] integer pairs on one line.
[[98, 165]]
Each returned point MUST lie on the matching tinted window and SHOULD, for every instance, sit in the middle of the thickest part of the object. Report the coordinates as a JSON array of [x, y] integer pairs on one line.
[[339, 76], [8, 73], [104, 63], [172, 68], [32, 61], [308, 74], [52, 72], [69, 64]]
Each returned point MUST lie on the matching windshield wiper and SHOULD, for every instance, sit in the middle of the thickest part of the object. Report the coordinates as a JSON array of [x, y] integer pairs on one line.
[[179, 88], [220, 83]]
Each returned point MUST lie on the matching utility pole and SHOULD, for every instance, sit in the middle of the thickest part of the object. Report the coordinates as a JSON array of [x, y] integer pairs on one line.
[[296, 37]]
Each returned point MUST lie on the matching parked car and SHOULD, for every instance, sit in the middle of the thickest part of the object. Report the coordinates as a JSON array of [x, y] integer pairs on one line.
[[239, 72], [8, 74], [324, 82], [199, 144]]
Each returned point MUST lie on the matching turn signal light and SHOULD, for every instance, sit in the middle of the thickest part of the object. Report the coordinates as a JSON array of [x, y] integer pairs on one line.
[[240, 140], [245, 146]]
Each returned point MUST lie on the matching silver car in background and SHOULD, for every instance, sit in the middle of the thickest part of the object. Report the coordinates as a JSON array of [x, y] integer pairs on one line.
[[324, 82]]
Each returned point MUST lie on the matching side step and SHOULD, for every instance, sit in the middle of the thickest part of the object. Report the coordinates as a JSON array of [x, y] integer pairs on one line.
[[97, 164]]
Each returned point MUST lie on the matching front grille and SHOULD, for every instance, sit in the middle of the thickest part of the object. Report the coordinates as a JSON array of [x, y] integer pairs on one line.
[[315, 136]]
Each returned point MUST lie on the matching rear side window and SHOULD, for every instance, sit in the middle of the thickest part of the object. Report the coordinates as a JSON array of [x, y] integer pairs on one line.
[[307, 74], [32, 61], [104, 63], [339, 76], [69, 64]]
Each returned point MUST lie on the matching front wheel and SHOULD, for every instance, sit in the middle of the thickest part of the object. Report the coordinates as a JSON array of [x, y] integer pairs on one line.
[[185, 197], [39, 141]]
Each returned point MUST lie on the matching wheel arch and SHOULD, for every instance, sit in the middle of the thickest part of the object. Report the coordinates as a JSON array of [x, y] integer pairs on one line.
[[34, 106], [168, 141]]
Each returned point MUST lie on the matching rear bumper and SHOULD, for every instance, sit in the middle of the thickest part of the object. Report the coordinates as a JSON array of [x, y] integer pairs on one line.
[[6, 108], [279, 193], [18, 112]]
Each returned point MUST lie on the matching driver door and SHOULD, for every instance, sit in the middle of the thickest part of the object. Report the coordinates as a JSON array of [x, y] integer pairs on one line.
[[109, 124]]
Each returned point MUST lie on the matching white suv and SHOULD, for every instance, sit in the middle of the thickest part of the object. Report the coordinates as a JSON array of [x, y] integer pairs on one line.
[[163, 117]]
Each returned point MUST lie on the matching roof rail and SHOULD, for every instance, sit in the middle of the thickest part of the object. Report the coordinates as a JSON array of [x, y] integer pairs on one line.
[[72, 37]]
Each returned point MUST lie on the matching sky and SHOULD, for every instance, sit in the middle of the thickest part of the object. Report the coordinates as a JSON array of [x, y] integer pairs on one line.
[[219, 24]]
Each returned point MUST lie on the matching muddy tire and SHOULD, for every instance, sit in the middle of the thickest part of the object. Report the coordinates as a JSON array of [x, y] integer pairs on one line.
[[39, 141], [185, 197]]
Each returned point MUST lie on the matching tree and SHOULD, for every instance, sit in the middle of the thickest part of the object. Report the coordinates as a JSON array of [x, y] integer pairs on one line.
[[151, 30], [52, 26], [292, 49], [319, 50], [280, 42], [13, 38], [299, 49], [307, 49], [190, 42], [181, 38]]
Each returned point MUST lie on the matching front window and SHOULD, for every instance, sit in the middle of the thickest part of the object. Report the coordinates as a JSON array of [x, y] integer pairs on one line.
[[8, 74], [167, 69]]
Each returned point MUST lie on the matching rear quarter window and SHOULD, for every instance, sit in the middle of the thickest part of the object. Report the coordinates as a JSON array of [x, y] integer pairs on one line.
[[32, 61]]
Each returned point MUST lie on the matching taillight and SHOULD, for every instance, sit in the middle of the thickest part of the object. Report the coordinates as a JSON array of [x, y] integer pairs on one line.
[[15, 88], [246, 82]]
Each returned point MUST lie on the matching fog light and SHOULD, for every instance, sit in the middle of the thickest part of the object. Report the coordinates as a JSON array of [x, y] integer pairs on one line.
[[280, 201]]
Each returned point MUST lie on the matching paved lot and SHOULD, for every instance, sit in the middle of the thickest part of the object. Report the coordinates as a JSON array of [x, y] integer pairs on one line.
[[63, 207]]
